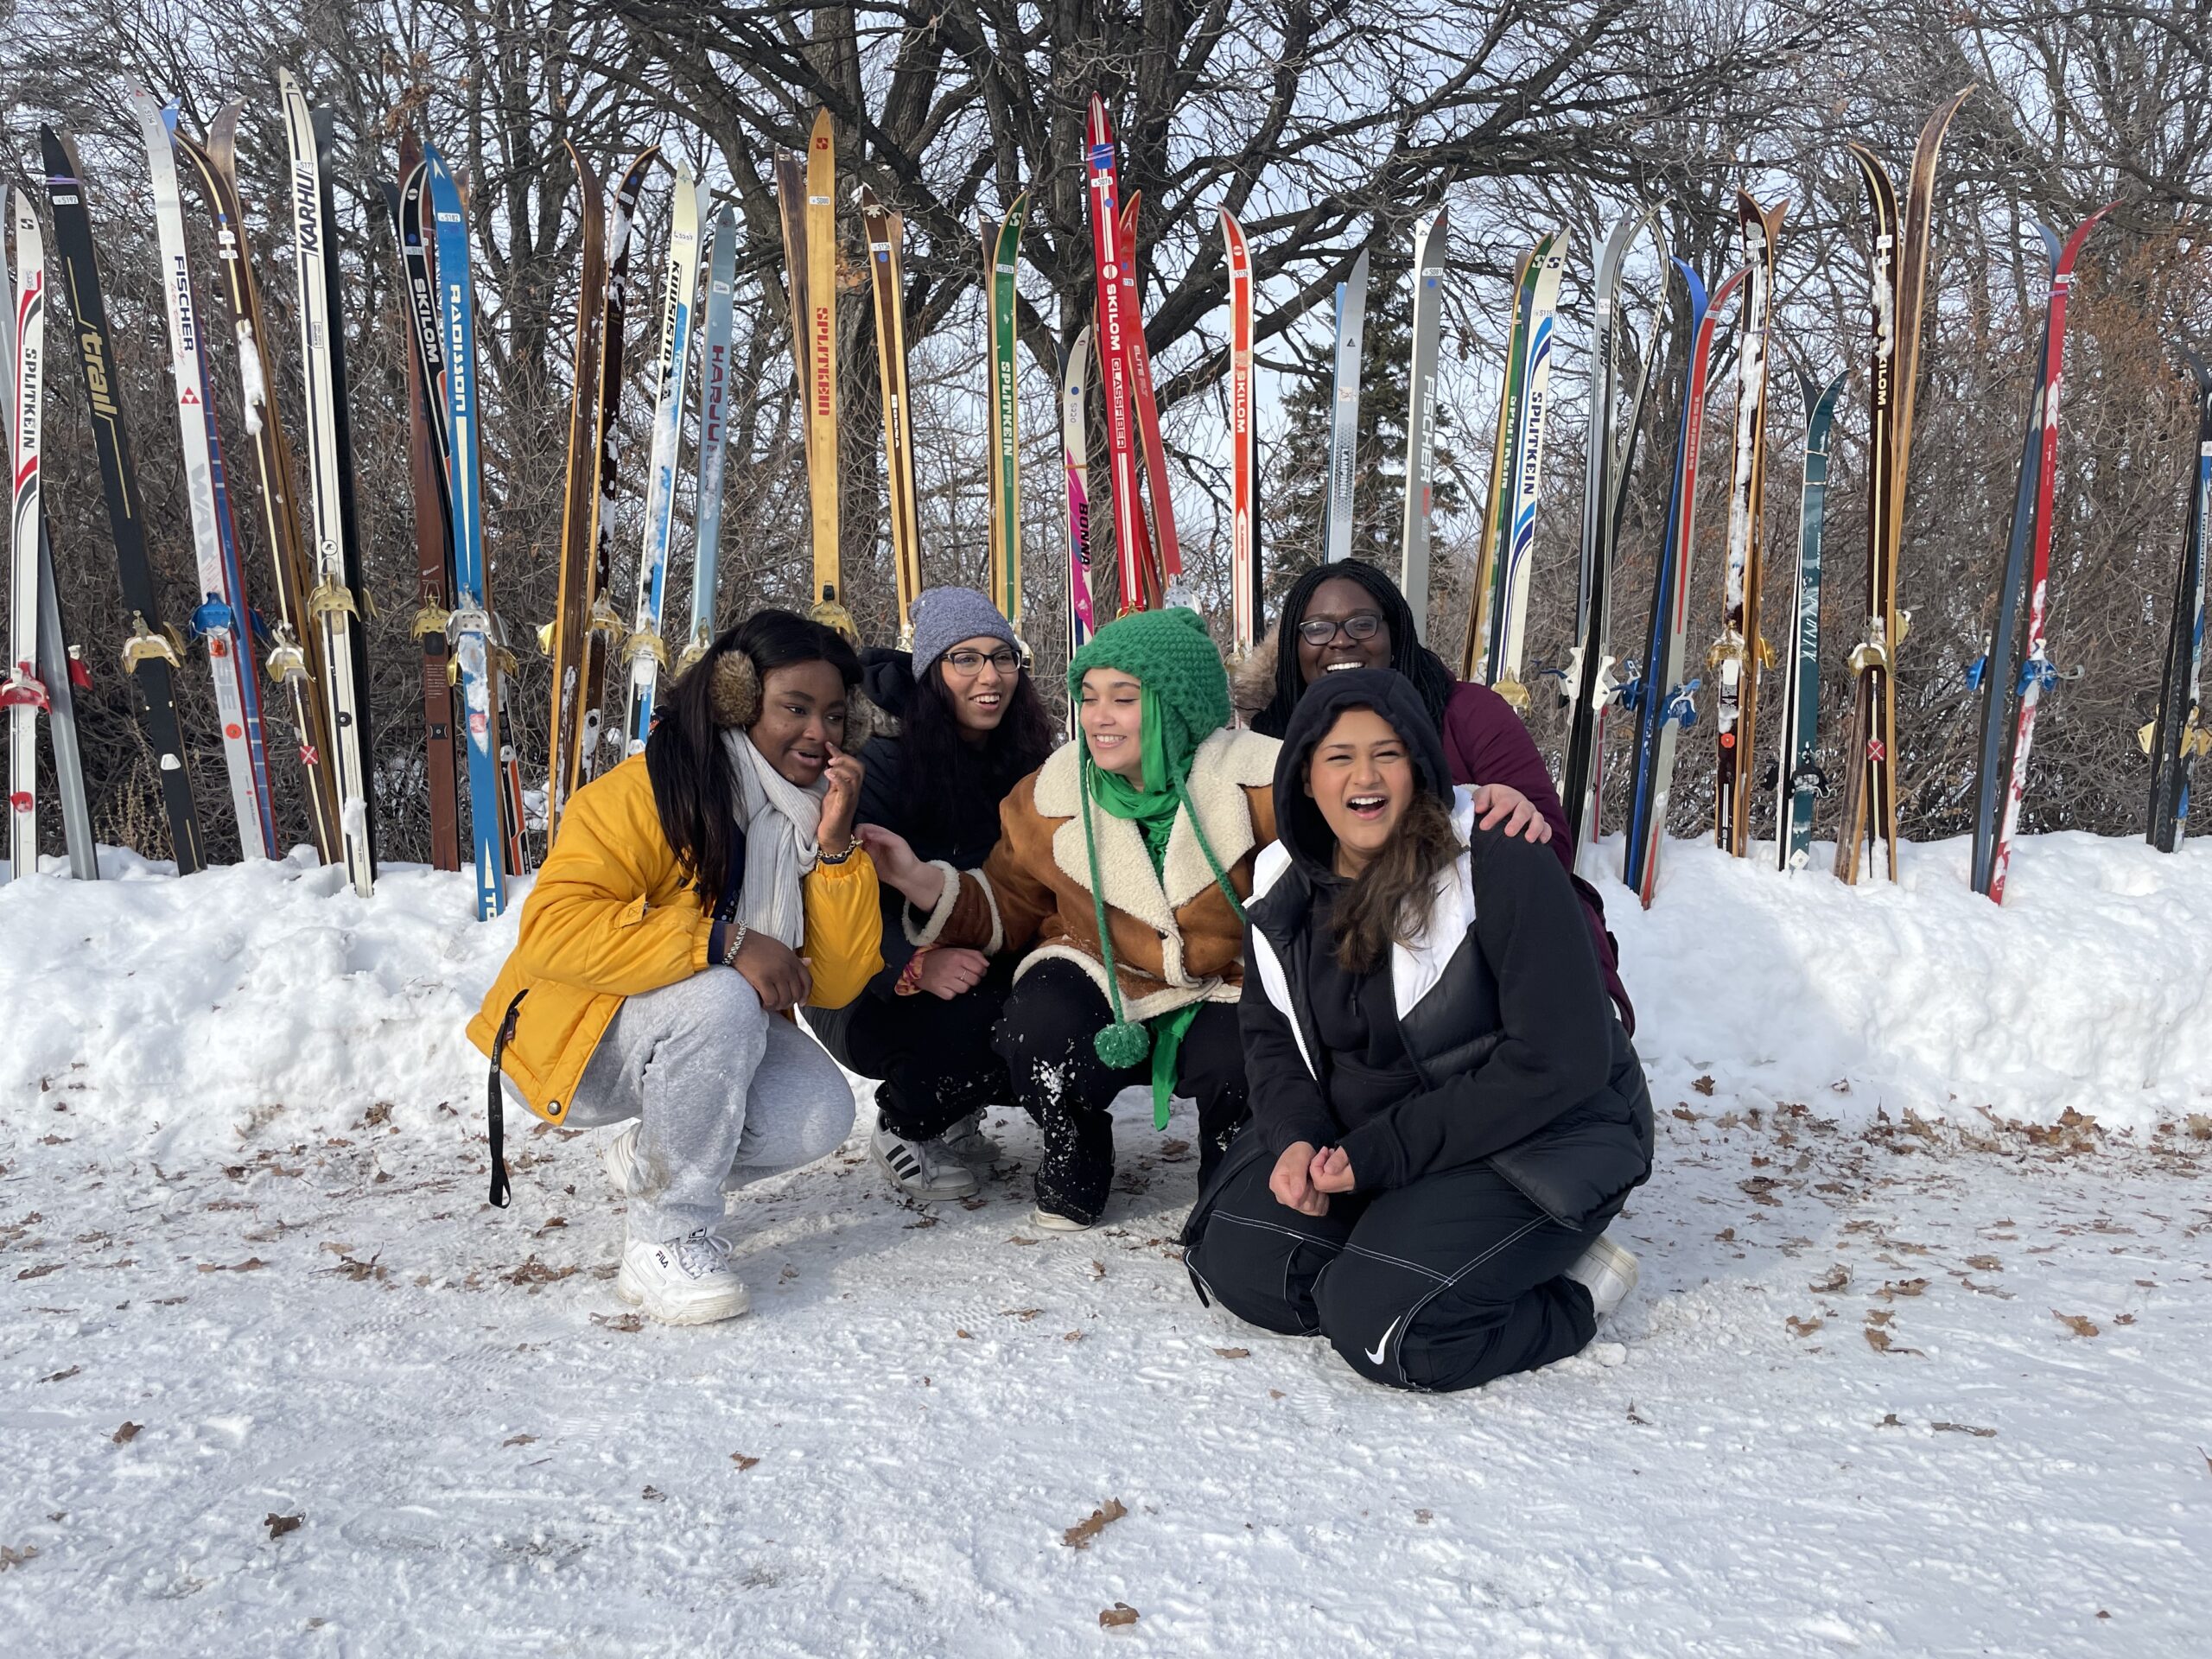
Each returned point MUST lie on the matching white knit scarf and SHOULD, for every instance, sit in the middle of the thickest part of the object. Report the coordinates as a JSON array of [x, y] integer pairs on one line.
[[781, 822]]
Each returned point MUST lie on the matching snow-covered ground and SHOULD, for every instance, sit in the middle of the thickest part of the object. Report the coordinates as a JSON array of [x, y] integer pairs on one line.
[[274, 1379]]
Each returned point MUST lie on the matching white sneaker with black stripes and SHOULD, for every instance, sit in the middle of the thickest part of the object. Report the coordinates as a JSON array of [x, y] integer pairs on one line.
[[922, 1170], [966, 1141]]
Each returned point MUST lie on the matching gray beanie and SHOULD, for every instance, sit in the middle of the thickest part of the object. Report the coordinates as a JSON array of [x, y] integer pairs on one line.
[[942, 617]]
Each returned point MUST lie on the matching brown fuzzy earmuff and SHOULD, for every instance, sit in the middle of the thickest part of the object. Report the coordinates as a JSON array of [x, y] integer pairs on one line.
[[735, 700], [737, 692], [1252, 681]]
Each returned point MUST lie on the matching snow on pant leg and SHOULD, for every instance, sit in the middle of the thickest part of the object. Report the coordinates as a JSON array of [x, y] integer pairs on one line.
[[1045, 1037], [681, 1058], [798, 1110], [1210, 1070], [1452, 1282], [932, 1054], [1255, 1257]]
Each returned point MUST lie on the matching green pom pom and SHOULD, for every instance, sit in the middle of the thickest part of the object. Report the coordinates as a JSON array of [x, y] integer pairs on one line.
[[1124, 1045]]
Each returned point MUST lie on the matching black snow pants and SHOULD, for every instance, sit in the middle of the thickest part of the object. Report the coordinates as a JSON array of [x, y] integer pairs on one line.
[[1447, 1283], [1045, 1038], [932, 1055]]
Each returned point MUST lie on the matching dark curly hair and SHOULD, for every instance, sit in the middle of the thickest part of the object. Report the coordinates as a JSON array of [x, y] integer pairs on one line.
[[943, 770], [1407, 655]]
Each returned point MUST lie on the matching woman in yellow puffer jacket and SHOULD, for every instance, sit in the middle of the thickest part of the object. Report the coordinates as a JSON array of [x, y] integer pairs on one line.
[[697, 894]]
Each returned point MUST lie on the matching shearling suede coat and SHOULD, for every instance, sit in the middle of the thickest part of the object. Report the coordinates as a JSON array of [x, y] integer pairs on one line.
[[1176, 940]]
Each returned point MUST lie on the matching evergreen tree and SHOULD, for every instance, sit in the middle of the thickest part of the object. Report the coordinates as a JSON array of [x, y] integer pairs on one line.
[[1294, 492]]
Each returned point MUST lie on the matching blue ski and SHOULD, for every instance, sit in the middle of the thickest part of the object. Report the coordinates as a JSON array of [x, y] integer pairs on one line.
[[470, 626]]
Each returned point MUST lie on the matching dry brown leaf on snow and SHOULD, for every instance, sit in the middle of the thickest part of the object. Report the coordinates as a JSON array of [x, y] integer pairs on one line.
[[41, 1270], [16, 1557], [1965, 1428], [1234, 1353], [1804, 1327], [1072, 1336], [278, 1525], [741, 1460], [127, 1433], [1835, 1280], [2075, 1323], [1985, 1264], [1024, 1315], [1703, 1086], [1079, 1535], [1683, 1112], [63, 1376], [1879, 1340], [520, 1440], [1277, 1394], [1897, 1287], [620, 1321], [963, 1335], [1119, 1613], [252, 1264]]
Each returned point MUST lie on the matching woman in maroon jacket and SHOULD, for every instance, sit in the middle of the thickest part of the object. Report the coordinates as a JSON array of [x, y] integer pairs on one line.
[[1348, 614]]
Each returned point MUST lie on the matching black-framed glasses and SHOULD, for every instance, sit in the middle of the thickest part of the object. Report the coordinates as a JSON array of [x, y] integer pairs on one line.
[[1360, 625], [969, 663]]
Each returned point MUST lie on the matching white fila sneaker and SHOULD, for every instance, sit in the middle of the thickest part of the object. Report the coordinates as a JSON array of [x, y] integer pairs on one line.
[[921, 1169], [686, 1280], [1607, 1271]]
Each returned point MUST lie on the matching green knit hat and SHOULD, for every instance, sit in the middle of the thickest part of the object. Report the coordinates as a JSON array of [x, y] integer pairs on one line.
[[1175, 658], [1171, 654]]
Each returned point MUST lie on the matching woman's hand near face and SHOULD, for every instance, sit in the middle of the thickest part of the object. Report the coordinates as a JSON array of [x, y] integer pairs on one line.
[[1497, 804], [1330, 1172], [1292, 1184], [840, 801], [922, 885], [774, 969]]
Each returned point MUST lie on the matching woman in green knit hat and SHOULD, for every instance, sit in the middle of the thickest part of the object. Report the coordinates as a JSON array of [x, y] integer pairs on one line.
[[1119, 876]]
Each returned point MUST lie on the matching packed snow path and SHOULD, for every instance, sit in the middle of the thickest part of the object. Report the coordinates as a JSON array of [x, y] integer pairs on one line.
[[277, 1380]]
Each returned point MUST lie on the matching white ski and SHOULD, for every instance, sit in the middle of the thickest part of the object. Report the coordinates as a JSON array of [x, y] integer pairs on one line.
[[23, 693], [220, 617], [331, 604], [644, 651]]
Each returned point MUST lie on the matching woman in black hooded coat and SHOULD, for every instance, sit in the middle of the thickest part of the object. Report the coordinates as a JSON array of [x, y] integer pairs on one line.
[[1447, 1110]]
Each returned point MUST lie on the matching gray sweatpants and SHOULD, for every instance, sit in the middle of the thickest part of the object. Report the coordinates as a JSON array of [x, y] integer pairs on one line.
[[728, 1094]]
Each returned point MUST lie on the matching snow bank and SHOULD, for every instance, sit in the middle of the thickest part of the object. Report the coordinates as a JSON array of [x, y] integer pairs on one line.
[[268, 992], [2089, 988]]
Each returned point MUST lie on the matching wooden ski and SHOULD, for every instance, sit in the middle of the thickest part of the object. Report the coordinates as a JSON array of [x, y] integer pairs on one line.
[[885, 233], [1870, 801], [571, 627], [822, 467]]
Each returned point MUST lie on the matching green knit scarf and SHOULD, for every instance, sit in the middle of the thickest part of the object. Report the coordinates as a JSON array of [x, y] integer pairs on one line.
[[1153, 807]]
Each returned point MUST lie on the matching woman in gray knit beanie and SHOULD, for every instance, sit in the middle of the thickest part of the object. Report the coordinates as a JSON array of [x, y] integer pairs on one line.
[[971, 726]]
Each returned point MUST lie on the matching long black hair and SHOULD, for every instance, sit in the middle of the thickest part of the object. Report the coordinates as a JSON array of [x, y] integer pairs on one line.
[[684, 757], [943, 774], [1407, 655]]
